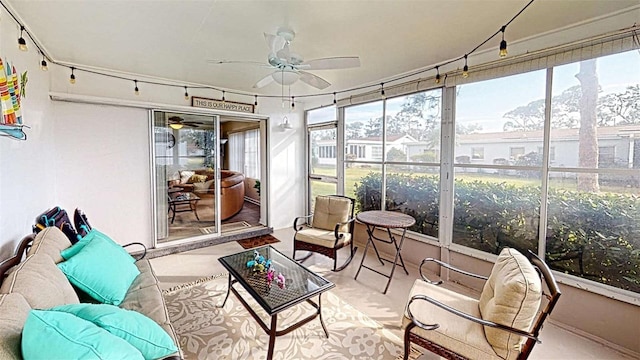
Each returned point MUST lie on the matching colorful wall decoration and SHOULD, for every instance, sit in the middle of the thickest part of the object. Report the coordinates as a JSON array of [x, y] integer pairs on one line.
[[10, 96]]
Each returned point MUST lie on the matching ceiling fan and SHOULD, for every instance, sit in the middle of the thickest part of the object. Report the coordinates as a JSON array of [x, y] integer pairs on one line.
[[177, 123], [290, 67]]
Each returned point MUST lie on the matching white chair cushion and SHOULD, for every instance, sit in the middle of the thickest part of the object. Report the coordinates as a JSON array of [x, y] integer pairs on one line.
[[322, 237], [463, 336], [330, 210], [511, 296]]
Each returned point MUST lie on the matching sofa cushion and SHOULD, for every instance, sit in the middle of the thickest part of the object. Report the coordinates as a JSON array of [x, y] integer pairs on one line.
[[41, 283], [137, 329], [146, 277], [58, 335], [50, 241], [94, 234], [326, 238], [329, 211], [200, 187], [195, 178], [101, 270], [148, 301], [511, 296], [14, 310], [185, 175]]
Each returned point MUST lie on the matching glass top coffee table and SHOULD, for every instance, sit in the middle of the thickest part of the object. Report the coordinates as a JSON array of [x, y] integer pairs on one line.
[[300, 285]]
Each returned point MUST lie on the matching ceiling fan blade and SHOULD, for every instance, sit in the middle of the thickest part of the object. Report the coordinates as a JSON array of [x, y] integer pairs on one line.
[[313, 80], [263, 82], [331, 63], [274, 42], [284, 53], [222, 62]]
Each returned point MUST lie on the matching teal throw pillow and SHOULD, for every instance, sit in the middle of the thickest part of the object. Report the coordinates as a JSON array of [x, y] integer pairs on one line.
[[102, 271], [69, 252], [56, 335], [137, 329]]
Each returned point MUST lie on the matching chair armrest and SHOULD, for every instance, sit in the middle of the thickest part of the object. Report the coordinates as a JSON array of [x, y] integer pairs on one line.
[[336, 233], [144, 252], [295, 222], [444, 264], [463, 315]]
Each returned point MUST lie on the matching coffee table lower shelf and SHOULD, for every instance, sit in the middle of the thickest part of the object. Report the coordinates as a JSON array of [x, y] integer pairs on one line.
[[272, 331]]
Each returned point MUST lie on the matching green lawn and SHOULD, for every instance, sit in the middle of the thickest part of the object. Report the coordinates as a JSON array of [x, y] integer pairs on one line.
[[354, 174]]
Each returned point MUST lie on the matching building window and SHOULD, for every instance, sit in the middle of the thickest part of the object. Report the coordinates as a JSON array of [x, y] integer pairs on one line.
[[477, 153], [606, 156], [327, 152], [376, 152], [516, 152], [356, 151]]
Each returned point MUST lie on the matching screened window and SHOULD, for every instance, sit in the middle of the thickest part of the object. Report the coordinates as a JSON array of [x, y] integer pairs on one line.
[[498, 207]]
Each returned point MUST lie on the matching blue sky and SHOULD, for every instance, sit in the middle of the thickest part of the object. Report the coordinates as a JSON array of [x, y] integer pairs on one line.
[[486, 102]]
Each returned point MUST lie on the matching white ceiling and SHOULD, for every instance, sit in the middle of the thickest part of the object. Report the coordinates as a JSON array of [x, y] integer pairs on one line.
[[173, 39]]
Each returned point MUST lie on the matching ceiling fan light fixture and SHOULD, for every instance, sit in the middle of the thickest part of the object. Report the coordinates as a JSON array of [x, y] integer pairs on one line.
[[176, 126], [286, 77]]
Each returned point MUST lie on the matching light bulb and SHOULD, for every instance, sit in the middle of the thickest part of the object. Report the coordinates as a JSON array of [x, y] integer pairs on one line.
[[136, 90], [186, 93], [22, 44], [43, 65], [465, 71], [72, 78], [503, 48]]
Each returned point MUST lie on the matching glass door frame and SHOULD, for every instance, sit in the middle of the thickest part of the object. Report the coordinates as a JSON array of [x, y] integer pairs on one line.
[[265, 214], [311, 177]]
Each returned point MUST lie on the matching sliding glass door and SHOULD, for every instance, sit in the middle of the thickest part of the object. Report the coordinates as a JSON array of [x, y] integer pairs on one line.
[[187, 156]]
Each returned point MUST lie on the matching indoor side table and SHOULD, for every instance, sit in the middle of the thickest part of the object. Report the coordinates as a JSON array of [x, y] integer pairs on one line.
[[385, 220]]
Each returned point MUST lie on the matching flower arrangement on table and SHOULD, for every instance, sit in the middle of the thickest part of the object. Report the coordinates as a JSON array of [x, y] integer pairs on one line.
[[259, 264]]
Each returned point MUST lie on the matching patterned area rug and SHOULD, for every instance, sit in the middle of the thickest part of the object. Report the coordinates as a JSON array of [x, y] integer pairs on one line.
[[208, 332], [257, 241]]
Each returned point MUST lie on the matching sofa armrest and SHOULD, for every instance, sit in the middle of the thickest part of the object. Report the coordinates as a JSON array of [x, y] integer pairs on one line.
[[137, 255]]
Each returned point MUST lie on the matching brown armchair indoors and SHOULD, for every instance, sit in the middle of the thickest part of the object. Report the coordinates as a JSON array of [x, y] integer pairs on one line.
[[331, 229], [503, 324]]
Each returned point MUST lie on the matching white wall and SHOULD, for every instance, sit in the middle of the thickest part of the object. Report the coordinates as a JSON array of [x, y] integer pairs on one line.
[[103, 167], [27, 168], [115, 124]]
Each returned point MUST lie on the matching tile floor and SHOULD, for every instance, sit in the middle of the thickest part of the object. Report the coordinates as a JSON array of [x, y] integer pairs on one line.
[[366, 294]]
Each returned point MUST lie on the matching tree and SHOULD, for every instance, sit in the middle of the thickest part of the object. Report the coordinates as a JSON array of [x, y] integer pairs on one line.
[[620, 109], [588, 138], [354, 130], [526, 118], [396, 155]]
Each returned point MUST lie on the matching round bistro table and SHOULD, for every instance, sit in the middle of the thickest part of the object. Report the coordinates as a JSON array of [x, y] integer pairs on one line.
[[385, 220]]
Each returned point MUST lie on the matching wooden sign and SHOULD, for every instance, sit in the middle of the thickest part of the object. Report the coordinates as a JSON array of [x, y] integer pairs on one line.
[[221, 105]]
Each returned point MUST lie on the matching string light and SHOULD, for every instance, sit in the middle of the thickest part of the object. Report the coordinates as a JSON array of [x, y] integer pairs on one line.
[[72, 78], [222, 95], [437, 75], [255, 102], [465, 69], [136, 90], [22, 44], [382, 91], [43, 64], [334, 98], [293, 103], [186, 93], [503, 43]]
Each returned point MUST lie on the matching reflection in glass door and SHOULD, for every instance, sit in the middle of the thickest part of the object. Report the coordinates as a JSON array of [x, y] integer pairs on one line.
[[186, 149], [323, 176]]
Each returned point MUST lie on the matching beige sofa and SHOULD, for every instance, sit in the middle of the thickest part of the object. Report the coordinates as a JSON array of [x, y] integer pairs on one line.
[[31, 280]]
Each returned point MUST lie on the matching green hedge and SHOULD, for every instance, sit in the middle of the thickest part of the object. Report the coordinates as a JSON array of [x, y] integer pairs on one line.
[[592, 235]]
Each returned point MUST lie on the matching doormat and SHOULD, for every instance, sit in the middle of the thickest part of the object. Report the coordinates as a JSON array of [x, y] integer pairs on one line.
[[257, 241], [226, 227]]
